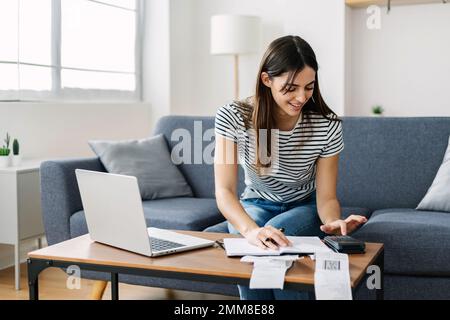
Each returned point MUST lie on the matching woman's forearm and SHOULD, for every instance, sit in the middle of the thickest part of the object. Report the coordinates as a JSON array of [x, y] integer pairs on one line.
[[233, 211], [329, 211]]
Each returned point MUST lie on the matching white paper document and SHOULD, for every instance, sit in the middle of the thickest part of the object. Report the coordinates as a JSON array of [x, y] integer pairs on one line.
[[269, 272], [332, 277], [303, 245], [288, 257]]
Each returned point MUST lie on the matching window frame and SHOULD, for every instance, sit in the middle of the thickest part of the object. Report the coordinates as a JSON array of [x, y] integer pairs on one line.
[[57, 93]]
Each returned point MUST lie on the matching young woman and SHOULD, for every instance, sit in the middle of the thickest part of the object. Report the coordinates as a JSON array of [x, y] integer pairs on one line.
[[287, 140]]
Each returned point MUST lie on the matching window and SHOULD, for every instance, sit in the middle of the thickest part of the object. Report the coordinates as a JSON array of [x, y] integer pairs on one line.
[[70, 49]]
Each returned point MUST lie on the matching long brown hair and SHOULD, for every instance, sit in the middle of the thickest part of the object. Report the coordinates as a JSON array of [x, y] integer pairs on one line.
[[286, 54]]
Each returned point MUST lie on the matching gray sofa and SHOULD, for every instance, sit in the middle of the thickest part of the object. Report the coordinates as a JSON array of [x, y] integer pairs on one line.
[[385, 170]]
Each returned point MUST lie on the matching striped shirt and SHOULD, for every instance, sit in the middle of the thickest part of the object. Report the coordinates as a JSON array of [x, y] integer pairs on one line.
[[292, 171]]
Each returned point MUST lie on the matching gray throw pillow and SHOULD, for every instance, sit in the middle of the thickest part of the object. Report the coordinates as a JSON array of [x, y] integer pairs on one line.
[[149, 161], [437, 197]]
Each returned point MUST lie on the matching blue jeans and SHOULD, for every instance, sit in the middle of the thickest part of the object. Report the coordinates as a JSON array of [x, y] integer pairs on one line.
[[298, 218]]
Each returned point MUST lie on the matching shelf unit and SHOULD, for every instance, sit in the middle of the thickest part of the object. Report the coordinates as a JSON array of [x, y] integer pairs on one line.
[[20, 214], [366, 3]]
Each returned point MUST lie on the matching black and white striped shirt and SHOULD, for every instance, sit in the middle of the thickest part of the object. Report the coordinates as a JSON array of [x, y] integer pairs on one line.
[[292, 173]]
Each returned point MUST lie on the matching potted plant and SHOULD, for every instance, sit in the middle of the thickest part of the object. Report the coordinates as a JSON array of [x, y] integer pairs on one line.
[[4, 153], [377, 111], [17, 158]]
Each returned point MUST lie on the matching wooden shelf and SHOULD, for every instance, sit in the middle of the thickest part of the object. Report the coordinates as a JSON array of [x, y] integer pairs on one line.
[[366, 3]]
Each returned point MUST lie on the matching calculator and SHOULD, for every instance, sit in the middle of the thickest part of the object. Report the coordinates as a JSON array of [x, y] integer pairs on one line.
[[345, 244]]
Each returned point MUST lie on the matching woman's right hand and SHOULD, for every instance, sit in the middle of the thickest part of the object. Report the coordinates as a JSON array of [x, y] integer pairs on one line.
[[261, 237]]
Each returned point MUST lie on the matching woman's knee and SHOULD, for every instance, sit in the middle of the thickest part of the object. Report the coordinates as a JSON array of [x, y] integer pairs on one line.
[[258, 214], [299, 221]]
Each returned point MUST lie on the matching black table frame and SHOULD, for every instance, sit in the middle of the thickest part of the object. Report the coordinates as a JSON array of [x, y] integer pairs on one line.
[[36, 266]]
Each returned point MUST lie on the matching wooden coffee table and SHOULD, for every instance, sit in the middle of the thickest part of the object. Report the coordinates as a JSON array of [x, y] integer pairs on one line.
[[207, 264]]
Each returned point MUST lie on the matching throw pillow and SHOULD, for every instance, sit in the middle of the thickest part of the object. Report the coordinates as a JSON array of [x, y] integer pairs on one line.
[[437, 197], [149, 161]]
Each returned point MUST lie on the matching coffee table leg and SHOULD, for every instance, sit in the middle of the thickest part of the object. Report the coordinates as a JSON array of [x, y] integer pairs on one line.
[[34, 269], [380, 291], [114, 286], [33, 289]]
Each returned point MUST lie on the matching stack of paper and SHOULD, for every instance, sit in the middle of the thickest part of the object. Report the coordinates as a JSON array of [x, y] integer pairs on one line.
[[332, 280], [301, 245]]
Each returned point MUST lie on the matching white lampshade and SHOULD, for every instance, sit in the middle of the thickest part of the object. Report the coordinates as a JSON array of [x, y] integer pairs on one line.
[[235, 34]]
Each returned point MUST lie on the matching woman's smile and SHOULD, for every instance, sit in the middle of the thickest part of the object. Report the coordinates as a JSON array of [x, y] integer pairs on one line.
[[295, 107]]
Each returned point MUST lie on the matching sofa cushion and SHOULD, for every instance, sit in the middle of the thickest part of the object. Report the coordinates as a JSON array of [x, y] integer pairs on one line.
[[437, 197], [176, 213], [149, 161], [416, 242], [346, 211], [182, 213]]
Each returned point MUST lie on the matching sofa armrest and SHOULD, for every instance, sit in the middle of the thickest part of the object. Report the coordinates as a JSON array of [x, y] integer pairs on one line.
[[60, 196]]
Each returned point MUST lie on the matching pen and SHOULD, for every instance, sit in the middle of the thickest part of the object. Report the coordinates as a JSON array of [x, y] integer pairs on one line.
[[271, 240], [219, 243]]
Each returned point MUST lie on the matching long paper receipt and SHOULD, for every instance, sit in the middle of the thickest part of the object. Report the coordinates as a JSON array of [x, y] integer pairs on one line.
[[332, 277], [269, 272]]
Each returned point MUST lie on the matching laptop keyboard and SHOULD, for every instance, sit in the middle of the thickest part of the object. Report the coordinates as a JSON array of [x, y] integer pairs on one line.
[[160, 244]]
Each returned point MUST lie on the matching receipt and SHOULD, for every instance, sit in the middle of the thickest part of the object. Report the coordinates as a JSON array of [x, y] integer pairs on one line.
[[332, 276], [269, 272]]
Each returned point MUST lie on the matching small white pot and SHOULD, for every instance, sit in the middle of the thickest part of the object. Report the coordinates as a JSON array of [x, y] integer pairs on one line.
[[5, 161], [16, 160]]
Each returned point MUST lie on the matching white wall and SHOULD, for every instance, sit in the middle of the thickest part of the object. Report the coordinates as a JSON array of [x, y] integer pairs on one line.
[[348, 59], [212, 77], [182, 72], [62, 129], [210, 81], [322, 24], [404, 66], [157, 58]]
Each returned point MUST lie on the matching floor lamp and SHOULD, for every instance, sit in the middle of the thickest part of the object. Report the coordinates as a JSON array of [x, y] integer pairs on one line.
[[235, 35]]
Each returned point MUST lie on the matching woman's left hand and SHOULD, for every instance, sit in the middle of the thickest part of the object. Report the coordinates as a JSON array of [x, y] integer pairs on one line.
[[342, 227]]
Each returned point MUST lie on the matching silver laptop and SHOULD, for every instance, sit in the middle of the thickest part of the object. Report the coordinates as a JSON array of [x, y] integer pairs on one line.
[[114, 214]]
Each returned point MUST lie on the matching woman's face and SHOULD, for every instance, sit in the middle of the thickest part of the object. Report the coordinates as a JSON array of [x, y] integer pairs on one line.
[[290, 103]]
